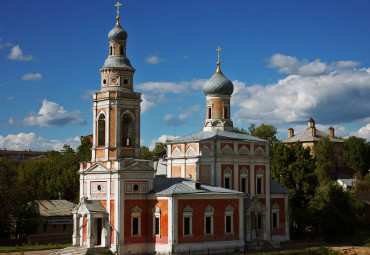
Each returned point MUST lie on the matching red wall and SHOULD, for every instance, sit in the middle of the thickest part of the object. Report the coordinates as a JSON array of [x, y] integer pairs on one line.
[[198, 206], [281, 229], [146, 231]]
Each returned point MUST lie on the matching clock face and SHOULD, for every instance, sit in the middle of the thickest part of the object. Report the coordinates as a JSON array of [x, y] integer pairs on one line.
[[114, 81]]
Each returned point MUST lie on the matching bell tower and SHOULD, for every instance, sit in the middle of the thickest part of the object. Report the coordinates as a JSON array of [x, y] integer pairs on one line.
[[116, 107]]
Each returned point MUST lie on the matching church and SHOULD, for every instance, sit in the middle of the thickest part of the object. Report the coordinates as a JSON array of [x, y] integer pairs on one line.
[[217, 191]]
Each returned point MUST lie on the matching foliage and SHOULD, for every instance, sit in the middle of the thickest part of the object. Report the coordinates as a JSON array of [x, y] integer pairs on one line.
[[356, 153], [334, 210], [293, 167], [159, 151], [324, 156], [263, 131], [84, 150], [146, 153]]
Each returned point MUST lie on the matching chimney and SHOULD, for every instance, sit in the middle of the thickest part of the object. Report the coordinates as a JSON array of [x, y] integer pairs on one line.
[[331, 132], [313, 131], [311, 122], [290, 132]]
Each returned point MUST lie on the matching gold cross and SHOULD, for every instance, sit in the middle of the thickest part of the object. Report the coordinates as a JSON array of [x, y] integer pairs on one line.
[[218, 49], [118, 5]]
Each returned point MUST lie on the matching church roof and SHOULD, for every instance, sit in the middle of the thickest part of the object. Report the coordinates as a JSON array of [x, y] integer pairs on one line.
[[216, 134], [172, 186], [117, 61], [306, 136], [49, 208], [117, 33], [276, 188], [218, 84]]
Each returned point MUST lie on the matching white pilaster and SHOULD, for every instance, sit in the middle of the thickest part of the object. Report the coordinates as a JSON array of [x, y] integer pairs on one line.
[[252, 180]]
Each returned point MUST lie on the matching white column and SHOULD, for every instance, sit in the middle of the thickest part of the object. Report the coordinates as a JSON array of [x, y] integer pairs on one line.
[[171, 225], [76, 235], [90, 234], [236, 177], [252, 180], [94, 129], [107, 129], [241, 219], [268, 201], [286, 208]]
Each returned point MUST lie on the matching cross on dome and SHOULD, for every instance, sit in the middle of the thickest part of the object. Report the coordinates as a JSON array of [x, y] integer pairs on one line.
[[218, 60]]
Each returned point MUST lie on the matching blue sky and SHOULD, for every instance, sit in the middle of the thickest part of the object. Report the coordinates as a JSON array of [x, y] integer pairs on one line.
[[288, 60]]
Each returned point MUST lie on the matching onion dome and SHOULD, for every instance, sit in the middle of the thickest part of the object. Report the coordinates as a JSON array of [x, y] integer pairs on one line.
[[218, 84], [117, 33]]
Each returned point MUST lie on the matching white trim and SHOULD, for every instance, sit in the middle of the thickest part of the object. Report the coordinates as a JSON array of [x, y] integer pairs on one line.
[[136, 213], [229, 212], [208, 212], [157, 214], [187, 212]]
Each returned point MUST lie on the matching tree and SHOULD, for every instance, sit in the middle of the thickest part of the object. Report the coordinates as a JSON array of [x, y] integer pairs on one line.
[[356, 154], [147, 154], [263, 131], [293, 167], [334, 211], [84, 150], [324, 156]]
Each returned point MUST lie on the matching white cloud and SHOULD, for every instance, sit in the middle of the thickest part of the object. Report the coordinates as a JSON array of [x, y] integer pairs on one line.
[[146, 105], [4, 45], [171, 87], [17, 54], [173, 120], [363, 132], [162, 139], [9, 98], [338, 96], [32, 77], [53, 115], [153, 60], [291, 65], [24, 141], [88, 95]]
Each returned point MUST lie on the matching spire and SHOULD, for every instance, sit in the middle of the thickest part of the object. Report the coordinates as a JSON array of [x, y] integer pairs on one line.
[[117, 18], [218, 61]]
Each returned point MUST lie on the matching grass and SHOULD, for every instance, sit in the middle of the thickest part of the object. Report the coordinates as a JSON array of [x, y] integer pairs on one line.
[[313, 251], [32, 247]]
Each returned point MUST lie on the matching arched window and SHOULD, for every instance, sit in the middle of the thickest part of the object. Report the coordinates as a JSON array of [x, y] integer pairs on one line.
[[226, 112], [209, 113], [110, 50], [101, 130], [120, 50], [127, 130]]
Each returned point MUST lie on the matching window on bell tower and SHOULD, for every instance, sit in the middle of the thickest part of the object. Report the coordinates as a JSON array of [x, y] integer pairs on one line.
[[209, 113], [101, 130], [127, 130], [110, 50], [120, 50]]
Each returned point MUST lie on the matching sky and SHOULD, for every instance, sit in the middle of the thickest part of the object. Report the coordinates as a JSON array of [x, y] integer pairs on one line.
[[288, 60]]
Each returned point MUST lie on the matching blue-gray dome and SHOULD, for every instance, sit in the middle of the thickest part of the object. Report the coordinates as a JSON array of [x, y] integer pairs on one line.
[[117, 33], [117, 62], [218, 84]]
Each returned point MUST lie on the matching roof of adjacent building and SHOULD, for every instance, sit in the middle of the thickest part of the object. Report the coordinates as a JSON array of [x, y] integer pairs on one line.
[[173, 186], [306, 136], [216, 134], [49, 208], [276, 188], [346, 182]]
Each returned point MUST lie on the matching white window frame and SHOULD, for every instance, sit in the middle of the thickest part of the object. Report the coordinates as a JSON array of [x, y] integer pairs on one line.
[[208, 212], [229, 211], [275, 210], [187, 212], [228, 174], [157, 214], [136, 213]]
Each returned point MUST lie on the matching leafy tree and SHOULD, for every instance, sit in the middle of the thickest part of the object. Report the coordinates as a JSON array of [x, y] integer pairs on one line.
[[324, 156], [356, 154], [263, 131], [146, 153], [84, 150], [334, 210], [293, 167]]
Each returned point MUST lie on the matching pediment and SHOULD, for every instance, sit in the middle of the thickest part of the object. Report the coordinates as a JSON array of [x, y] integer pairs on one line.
[[138, 167], [257, 206], [97, 168]]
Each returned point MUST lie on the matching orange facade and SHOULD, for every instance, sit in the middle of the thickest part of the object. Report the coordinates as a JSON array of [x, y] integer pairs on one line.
[[198, 218]]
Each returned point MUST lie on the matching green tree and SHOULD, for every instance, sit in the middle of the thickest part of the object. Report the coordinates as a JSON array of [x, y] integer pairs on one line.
[[356, 154], [333, 210], [146, 153], [263, 131], [84, 150], [293, 167], [324, 156]]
